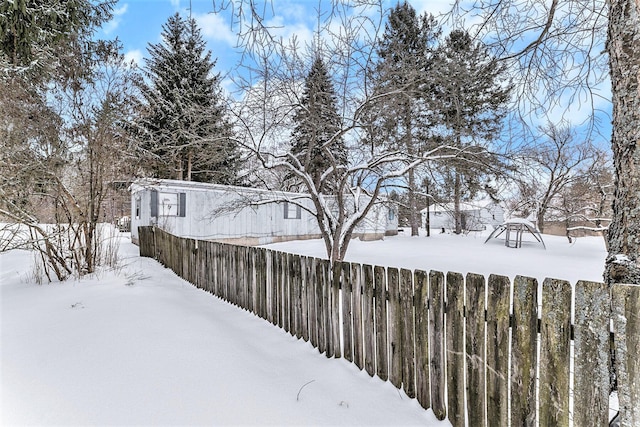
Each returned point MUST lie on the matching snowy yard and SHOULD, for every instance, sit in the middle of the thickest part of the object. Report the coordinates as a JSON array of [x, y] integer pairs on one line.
[[581, 260], [141, 346]]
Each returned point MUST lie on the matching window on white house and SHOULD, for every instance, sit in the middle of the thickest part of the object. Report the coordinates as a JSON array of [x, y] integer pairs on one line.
[[168, 204], [138, 207], [392, 214], [292, 211], [172, 204]]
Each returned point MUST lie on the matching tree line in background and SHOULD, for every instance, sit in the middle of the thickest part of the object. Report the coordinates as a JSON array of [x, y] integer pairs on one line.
[[387, 105]]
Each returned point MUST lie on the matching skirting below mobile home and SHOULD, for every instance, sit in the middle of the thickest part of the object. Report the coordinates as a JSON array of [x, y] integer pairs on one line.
[[238, 215]]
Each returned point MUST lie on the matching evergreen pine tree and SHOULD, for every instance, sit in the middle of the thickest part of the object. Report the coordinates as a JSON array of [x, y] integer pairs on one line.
[[317, 143], [184, 128], [401, 77], [472, 96]]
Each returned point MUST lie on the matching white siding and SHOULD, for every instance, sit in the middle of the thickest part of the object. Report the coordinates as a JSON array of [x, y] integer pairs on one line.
[[215, 212]]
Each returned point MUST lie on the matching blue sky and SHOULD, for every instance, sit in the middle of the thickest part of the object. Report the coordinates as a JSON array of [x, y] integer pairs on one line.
[[139, 22]]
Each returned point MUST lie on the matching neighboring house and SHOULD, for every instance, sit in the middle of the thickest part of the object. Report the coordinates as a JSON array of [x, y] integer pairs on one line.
[[476, 215], [237, 214]]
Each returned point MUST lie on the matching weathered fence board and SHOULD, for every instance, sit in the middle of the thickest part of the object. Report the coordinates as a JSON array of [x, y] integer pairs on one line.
[[367, 319], [591, 350], [301, 321], [455, 349], [280, 269], [320, 309], [626, 323], [326, 305], [421, 285], [524, 354], [555, 336], [474, 348], [335, 310], [358, 340], [437, 344], [275, 297], [382, 350], [347, 313], [313, 303], [305, 280], [293, 289], [395, 327], [408, 333], [497, 350]]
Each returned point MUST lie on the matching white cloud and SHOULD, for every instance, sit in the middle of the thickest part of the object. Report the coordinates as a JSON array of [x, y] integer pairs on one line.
[[135, 56], [112, 25], [214, 27], [289, 30]]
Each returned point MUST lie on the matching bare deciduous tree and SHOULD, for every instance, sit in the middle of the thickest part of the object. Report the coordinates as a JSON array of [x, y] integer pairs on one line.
[[548, 167], [345, 39], [60, 165]]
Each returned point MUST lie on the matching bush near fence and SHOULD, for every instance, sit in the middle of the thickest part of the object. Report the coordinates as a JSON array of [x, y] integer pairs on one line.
[[457, 344]]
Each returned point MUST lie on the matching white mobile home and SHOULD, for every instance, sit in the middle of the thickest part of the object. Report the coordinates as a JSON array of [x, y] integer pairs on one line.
[[237, 214], [476, 215]]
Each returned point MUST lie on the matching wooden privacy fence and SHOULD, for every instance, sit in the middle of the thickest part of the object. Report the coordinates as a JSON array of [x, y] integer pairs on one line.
[[478, 351]]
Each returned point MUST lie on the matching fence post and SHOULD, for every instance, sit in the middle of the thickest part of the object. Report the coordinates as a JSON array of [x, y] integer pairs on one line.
[[626, 323]]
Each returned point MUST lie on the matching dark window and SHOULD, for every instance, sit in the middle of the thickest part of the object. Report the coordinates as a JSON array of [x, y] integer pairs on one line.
[[183, 205], [154, 203], [292, 211]]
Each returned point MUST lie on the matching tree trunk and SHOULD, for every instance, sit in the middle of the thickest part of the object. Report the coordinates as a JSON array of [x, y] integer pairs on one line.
[[623, 45], [427, 222], [189, 165], [414, 220], [414, 217], [457, 215], [540, 219]]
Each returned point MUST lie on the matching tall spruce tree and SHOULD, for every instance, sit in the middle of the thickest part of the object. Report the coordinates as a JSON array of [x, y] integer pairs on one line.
[[317, 143], [472, 93], [185, 133], [401, 77]]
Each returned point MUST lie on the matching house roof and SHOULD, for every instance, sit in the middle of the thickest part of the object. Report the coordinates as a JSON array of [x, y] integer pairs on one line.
[[259, 193]]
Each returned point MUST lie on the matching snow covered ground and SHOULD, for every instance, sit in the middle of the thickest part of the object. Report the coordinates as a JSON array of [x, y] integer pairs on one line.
[[141, 346], [581, 260]]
